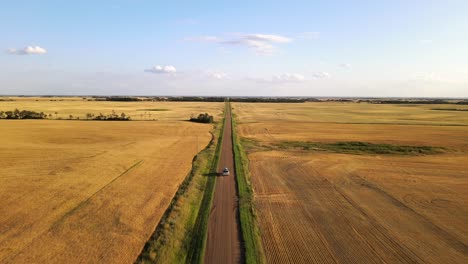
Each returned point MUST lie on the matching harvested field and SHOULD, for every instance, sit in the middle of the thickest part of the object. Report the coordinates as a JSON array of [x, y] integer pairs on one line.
[[143, 110], [351, 113], [90, 192], [324, 207]]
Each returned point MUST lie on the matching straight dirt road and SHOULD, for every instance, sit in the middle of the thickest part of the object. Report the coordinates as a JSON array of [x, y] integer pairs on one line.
[[223, 245]]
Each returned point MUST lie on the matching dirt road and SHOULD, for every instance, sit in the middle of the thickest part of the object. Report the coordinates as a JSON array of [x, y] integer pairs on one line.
[[223, 245]]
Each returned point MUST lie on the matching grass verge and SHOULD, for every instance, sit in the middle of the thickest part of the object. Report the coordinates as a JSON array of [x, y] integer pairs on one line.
[[356, 147], [180, 236], [197, 246], [250, 231]]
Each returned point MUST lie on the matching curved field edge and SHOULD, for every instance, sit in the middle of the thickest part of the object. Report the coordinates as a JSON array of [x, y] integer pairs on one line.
[[248, 218], [180, 235]]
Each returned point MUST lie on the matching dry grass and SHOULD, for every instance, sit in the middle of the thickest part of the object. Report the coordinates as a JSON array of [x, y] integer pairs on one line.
[[90, 192], [317, 207]]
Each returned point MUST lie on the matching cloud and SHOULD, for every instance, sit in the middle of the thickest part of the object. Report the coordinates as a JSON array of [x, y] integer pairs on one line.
[[266, 38], [169, 69], [345, 65], [262, 44], [29, 50], [310, 35], [320, 75], [288, 77], [217, 75]]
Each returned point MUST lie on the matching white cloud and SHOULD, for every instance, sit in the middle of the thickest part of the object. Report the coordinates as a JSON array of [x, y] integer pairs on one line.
[[217, 75], [29, 50], [169, 69], [320, 75], [260, 47], [289, 77], [310, 35], [345, 65], [260, 43], [446, 78], [266, 38]]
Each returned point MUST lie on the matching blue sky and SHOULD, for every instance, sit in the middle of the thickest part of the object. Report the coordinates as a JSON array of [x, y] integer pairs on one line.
[[308, 48]]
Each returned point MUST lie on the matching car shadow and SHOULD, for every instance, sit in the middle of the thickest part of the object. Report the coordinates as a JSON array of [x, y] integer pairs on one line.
[[212, 174]]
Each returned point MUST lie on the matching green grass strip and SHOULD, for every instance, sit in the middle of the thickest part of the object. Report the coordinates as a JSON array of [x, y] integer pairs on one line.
[[250, 231], [356, 147], [450, 109]]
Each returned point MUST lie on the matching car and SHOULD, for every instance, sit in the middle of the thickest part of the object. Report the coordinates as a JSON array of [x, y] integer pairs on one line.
[[225, 172]]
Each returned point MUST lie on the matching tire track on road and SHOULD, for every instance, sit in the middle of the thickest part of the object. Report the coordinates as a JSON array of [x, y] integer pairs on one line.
[[224, 236]]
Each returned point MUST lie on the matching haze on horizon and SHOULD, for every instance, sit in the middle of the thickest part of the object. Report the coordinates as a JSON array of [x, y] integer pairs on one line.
[[266, 48]]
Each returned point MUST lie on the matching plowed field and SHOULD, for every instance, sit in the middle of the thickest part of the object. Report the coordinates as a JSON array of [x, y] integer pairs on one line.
[[326, 207]]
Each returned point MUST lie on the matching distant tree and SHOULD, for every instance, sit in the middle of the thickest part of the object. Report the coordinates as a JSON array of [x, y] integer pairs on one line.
[[24, 114], [100, 117], [112, 117], [56, 113], [202, 118], [89, 116], [70, 116], [16, 114]]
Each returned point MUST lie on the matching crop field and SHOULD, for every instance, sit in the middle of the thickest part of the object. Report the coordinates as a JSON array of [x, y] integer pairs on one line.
[[91, 191], [63, 107], [358, 183]]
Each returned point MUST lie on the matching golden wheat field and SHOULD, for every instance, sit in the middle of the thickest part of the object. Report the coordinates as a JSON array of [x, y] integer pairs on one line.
[[91, 191], [63, 107], [317, 206]]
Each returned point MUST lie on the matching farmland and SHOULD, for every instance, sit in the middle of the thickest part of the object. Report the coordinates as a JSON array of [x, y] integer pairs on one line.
[[91, 191], [63, 107], [354, 183]]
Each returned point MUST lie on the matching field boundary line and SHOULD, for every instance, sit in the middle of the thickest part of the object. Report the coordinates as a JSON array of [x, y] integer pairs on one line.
[[250, 231], [102, 188], [361, 123], [58, 221]]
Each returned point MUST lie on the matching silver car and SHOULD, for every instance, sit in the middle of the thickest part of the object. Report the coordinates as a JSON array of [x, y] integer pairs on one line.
[[225, 172]]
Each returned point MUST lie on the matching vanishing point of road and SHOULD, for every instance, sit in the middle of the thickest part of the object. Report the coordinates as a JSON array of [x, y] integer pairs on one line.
[[224, 237]]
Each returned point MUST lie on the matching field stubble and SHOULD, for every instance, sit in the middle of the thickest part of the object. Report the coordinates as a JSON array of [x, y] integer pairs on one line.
[[321, 207], [89, 191]]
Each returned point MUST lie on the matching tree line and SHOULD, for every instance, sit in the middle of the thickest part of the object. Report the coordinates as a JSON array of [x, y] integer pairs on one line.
[[110, 117], [24, 114], [28, 114]]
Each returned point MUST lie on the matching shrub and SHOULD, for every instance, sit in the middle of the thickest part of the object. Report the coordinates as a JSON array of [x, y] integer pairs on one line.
[[111, 117], [202, 118], [24, 114]]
